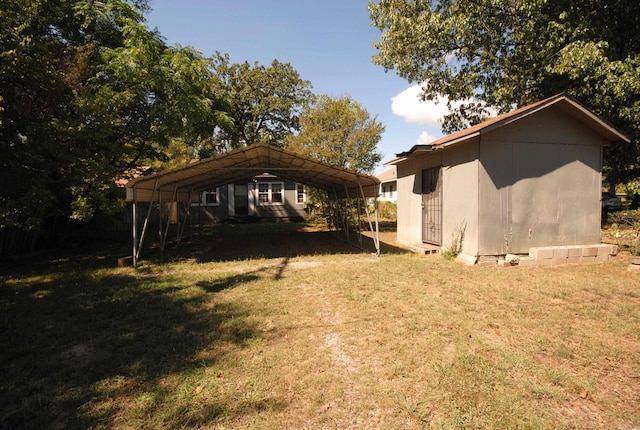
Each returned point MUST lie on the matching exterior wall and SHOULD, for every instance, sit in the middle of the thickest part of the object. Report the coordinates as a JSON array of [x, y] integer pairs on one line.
[[539, 184], [224, 209], [290, 208], [388, 191], [459, 195], [212, 213], [534, 182], [409, 218]]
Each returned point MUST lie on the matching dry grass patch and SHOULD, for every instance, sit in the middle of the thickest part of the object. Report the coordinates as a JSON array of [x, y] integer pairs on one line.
[[322, 340]]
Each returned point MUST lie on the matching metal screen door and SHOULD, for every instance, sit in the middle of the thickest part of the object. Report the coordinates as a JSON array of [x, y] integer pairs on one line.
[[432, 206]]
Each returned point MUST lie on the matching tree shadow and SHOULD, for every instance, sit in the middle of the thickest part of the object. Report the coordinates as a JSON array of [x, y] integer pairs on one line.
[[270, 240], [73, 337]]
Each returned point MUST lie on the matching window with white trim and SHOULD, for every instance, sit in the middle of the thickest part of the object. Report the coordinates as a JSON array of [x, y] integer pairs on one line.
[[301, 193], [211, 197], [270, 193]]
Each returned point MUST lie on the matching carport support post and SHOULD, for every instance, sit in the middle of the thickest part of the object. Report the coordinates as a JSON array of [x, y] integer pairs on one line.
[[163, 241], [187, 216], [134, 228], [346, 211], [375, 233], [138, 246]]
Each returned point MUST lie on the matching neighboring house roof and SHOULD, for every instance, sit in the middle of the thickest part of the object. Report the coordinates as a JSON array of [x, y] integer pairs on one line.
[[563, 101], [184, 183], [388, 175], [135, 172]]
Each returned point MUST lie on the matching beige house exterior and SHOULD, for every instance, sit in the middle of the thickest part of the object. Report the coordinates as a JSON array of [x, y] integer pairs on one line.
[[388, 185], [529, 178]]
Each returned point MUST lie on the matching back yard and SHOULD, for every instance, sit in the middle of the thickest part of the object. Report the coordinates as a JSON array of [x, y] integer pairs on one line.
[[285, 327]]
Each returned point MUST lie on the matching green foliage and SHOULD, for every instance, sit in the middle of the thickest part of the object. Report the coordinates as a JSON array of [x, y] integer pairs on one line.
[[501, 54], [263, 103], [87, 92], [388, 211], [339, 131]]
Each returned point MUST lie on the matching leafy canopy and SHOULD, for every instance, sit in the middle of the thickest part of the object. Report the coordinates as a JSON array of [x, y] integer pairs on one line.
[[499, 54], [339, 131], [263, 103], [87, 92]]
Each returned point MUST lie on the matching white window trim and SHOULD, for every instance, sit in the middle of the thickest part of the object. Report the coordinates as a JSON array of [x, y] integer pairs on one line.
[[304, 194], [270, 201], [204, 198]]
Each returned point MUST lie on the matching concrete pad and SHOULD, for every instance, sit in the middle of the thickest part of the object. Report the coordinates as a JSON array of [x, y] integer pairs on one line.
[[560, 252], [487, 263], [527, 262], [541, 253], [634, 268], [545, 262], [468, 260], [605, 249], [512, 258], [574, 251]]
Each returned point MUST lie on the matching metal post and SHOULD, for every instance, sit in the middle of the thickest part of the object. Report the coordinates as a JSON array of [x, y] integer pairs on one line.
[[134, 215], [346, 211], [138, 248], [375, 233]]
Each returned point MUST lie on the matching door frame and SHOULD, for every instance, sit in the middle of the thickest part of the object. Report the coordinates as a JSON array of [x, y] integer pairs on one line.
[[431, 220]]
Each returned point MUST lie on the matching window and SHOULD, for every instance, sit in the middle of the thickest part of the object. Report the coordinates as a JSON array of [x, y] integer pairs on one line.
[[210, 197], [301, 193], [270, 193]]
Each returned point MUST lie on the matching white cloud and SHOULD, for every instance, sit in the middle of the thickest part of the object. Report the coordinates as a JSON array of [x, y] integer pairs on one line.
[[425, 138], [408, 105]]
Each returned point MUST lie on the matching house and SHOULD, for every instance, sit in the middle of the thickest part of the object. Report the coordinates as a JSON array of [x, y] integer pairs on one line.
[[388, 185], [264, 196], [527, 179]]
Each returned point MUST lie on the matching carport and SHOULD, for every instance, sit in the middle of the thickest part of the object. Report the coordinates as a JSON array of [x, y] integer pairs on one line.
[[183, 185]]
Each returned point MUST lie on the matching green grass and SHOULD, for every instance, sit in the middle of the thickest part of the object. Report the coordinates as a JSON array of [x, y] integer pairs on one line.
[[265, 326]]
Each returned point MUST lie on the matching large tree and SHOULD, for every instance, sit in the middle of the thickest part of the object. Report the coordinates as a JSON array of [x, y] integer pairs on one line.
[[87, 92], [263, 103], [339, 131], [501, 54]]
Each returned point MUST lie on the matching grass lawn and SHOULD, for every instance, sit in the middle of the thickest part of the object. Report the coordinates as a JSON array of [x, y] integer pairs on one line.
[[281, 326]]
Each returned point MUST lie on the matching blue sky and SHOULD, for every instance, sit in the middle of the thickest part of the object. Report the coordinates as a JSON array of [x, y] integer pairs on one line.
[[329, 43]]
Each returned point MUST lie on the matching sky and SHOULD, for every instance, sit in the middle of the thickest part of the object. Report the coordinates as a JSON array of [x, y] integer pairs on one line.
[[328, 42]]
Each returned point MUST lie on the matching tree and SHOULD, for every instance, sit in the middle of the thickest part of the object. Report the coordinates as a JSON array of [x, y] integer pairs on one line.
[[501, 54], [264, 103], [87, 92], [339, 131]]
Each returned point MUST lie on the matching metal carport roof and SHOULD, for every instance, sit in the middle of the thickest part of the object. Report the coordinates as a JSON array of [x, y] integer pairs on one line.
[[185, 183]]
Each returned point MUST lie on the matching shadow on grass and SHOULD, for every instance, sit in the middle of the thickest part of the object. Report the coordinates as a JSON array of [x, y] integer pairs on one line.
[[74, 339], [232, 242]]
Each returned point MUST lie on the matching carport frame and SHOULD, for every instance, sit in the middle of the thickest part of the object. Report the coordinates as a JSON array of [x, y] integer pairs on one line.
[[185, 184]]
